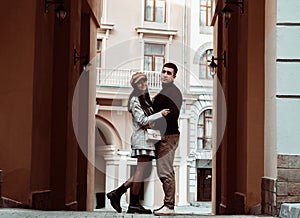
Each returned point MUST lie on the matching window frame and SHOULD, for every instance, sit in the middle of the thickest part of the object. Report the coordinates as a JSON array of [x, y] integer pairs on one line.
[[154, 11], [154, 55], [99, 51], [204, 135], [207, 60], [207, 14]]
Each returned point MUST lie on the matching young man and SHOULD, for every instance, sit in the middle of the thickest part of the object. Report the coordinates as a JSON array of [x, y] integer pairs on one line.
[[169, 97]]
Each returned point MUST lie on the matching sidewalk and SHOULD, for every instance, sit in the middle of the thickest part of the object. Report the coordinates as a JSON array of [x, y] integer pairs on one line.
[[181, 211]]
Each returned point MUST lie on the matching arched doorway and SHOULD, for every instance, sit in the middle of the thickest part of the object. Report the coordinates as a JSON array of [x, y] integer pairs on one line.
[[107, 141], [201, 150]]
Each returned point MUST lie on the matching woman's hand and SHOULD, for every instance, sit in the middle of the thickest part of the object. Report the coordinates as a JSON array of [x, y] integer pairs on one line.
[[165, 112]]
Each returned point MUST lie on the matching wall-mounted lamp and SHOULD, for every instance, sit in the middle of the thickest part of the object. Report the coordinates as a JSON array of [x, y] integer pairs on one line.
[[60, 11], [77, 56], [227, 11], [213, 66]]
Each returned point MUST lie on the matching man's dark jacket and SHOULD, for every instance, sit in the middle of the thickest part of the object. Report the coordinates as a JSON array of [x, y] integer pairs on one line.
[[169, 97]]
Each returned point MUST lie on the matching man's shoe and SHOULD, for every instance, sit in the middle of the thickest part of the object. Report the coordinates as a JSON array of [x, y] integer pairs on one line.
[[164, 211], [115, 200], [158, 208], [138, 209]]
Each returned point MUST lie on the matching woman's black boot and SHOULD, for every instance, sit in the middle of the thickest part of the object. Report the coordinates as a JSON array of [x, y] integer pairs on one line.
[[115, 197], [135, 207]]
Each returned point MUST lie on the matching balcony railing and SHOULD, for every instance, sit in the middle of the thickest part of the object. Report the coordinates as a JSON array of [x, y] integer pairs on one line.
[[121, 78]]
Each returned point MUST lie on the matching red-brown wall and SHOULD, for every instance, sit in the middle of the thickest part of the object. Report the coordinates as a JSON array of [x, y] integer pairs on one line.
[[240, 162], [39, 151], [17, 73]]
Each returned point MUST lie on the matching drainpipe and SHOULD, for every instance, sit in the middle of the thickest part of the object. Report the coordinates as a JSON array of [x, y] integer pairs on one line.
[[184, 61]]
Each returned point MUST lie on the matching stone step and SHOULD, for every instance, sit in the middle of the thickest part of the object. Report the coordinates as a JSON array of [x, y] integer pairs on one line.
[[290, 210]]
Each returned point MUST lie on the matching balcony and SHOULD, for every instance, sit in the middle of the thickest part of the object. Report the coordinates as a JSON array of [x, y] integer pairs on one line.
[[120, 78]]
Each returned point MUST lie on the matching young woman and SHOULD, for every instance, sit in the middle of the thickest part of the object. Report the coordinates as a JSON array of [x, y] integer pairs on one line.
[[140, 106]]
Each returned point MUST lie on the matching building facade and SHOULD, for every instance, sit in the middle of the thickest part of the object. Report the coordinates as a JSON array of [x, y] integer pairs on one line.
[[238, 147]]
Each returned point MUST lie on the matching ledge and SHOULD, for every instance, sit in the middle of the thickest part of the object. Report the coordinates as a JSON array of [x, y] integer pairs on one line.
[[105, 29], [153, 31], [107, 26], [289, 210]]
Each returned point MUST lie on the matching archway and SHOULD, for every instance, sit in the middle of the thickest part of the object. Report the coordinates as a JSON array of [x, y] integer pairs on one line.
[[201, 158], [107, 141]]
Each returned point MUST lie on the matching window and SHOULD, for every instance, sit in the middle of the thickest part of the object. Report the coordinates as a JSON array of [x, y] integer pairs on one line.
[[204, 62], [205, 12], [99, 50], [155, 11], [154, 56], [204, 130]]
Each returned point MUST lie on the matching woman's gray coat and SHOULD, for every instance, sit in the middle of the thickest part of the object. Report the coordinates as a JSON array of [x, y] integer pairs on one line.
[[139, 122]]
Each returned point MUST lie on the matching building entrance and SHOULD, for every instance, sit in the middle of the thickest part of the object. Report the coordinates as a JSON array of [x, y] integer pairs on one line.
[[204, 184]]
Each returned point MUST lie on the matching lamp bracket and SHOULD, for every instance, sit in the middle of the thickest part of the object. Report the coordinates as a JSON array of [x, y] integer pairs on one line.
[[240, 4], [220, 59], [77, 56], [49, 2], [213, 66]]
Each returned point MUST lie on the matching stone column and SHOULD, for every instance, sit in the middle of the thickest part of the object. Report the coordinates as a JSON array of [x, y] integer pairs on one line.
[[193, 180], [108, 153], [183, 146], [123, 172], [149, 190], [110, 182]]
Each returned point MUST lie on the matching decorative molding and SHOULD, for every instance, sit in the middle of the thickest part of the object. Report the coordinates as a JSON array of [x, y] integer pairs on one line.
[[105, 28], [204, 154], [288, 24], [142, 31], [287, 60], [287, 96], [105, 150], [123, 152], [10, 203], [41, 200], [72, 205], [201, 50], [112, 108]]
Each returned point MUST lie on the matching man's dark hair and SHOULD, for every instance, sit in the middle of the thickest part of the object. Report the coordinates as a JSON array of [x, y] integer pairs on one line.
[[171, 65]]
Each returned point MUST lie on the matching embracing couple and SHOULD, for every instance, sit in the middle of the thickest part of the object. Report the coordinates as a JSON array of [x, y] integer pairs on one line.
[[161, 114]]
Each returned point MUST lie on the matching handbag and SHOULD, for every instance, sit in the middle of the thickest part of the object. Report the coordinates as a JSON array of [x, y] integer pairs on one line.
[[152, 135]]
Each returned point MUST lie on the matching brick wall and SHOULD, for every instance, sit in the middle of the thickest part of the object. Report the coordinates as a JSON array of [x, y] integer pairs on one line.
[[285, 189], [288, 179], [268, 196]]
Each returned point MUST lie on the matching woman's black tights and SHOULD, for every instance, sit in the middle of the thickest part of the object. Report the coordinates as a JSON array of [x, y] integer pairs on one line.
[[142, 172]]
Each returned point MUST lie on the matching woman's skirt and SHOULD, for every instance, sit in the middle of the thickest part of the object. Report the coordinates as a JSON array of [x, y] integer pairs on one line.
[[138, 152]]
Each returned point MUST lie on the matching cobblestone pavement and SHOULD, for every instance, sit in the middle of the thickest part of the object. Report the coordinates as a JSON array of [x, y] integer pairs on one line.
[[184, 211]]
